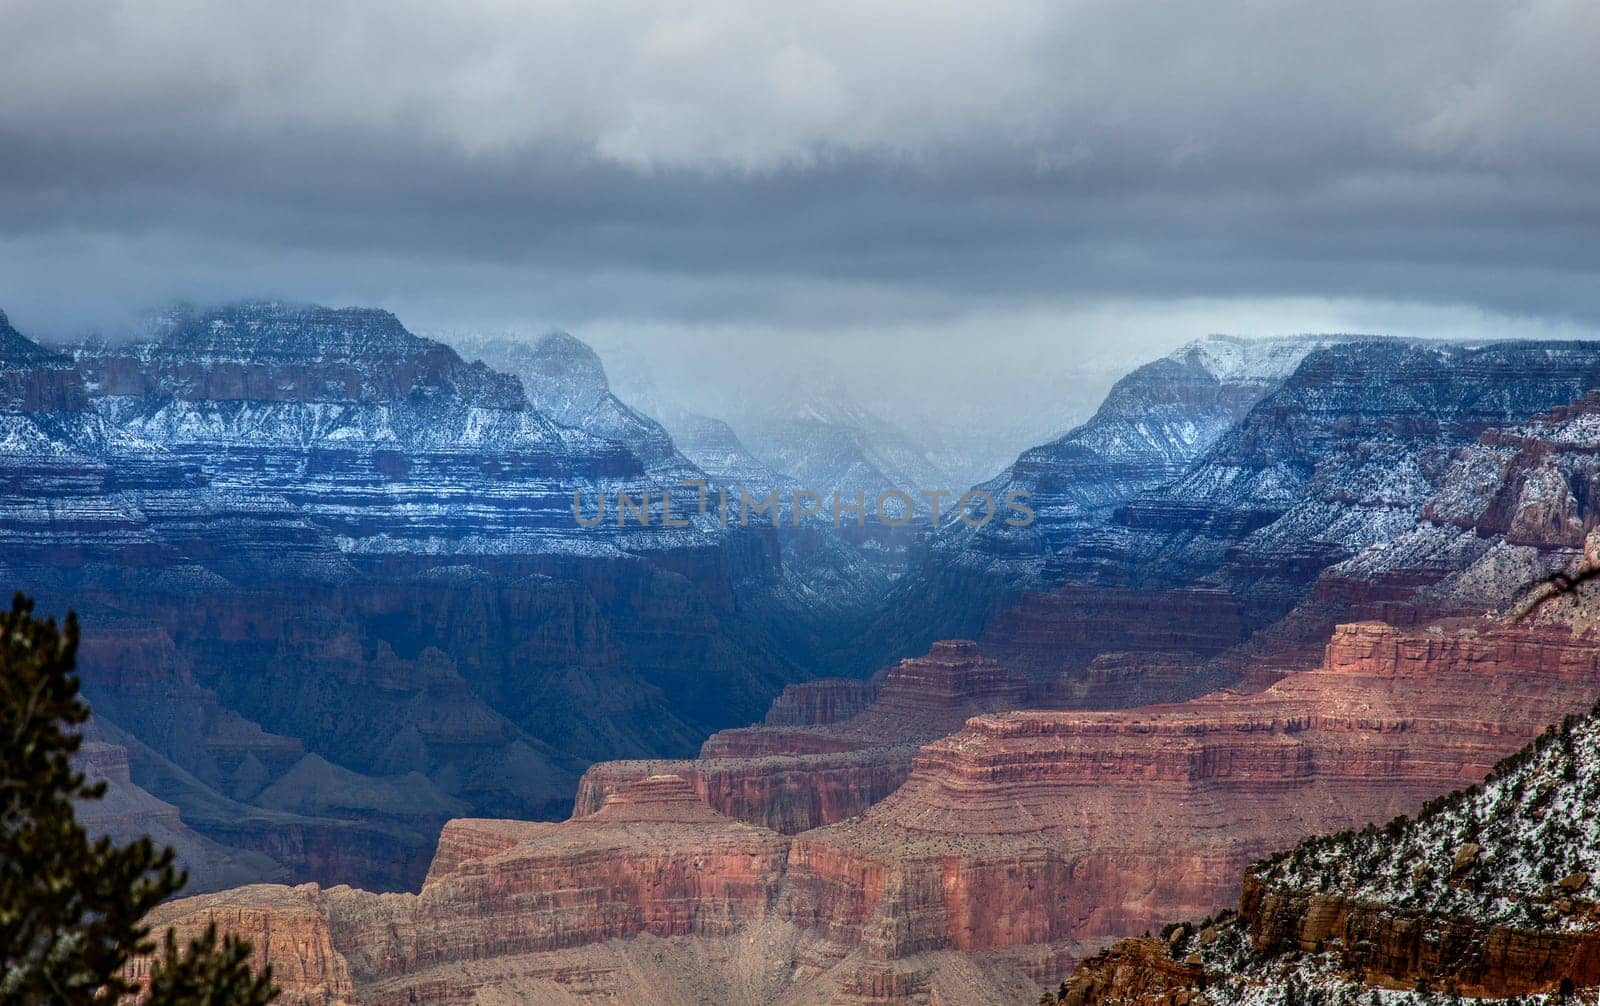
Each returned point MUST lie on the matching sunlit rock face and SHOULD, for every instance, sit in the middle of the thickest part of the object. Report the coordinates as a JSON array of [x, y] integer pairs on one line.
[[793, 777], [1087, 825], [653, 861], [1486, 893], [1017, 844]]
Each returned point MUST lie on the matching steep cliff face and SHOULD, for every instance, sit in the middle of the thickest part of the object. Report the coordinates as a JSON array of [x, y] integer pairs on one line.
[[1485, 893], [793, 777], [1058, 830], [821, 702], [287, 928], [503, 895], [34, 379], [653, 860]]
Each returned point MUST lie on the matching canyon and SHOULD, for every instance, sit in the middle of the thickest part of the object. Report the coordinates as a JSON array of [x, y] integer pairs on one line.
[[346, 553], [344, 640], [945, 838], [1018, 844], [332, 583], [1486, 893]]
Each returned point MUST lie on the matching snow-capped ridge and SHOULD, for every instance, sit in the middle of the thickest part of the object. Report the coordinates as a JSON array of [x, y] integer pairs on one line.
[[261, 331], [1266, 359], [565, 380]]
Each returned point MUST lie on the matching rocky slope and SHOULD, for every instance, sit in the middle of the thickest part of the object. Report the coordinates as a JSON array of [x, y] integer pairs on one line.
[[1338, 465], [127, 812], [1154, 425], [1487, 893]]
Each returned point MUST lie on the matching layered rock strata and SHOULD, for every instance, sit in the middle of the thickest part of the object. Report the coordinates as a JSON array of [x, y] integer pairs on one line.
[[330, 577], [1020, 843], [653, 860], [1051, 829], [794, 777], [1487, 893]]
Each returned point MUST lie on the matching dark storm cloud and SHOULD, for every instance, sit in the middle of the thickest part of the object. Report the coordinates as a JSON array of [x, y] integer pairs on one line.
[[810, 166]]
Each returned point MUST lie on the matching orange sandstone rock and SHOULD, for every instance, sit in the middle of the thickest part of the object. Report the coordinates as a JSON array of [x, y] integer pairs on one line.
[[1058, 828], [794, 777]]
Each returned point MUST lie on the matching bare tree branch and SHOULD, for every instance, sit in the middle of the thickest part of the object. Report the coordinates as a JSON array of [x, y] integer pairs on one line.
[[1561, 583]]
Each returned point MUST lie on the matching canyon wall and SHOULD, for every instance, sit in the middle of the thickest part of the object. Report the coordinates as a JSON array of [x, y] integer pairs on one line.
[[331, 581], [1055, 828], [793, 777], [1022, 842]]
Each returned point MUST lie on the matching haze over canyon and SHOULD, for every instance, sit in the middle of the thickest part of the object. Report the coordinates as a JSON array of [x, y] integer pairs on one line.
[[1075, 504], [343, 637]]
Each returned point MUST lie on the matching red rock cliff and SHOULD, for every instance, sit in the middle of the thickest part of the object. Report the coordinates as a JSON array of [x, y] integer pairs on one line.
[[794, 777], [1056, 829]]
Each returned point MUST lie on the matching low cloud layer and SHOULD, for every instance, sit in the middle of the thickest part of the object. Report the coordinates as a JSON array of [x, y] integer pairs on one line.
[[824, 170]]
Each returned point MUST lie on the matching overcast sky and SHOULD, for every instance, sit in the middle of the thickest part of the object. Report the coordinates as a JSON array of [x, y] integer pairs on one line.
[[1087, 179]]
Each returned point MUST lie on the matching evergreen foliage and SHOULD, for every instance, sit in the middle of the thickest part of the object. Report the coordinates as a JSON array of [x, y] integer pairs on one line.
[[71, 907]]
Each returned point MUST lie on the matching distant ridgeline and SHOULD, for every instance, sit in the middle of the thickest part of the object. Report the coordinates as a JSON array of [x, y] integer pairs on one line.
[[335, 593], [348, 556]]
